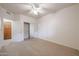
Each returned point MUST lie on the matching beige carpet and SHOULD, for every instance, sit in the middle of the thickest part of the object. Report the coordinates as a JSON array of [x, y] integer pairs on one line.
[[37, 47]]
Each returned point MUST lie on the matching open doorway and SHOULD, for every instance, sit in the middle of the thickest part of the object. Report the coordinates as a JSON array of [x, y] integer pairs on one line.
[[7, 27], [26, 30]]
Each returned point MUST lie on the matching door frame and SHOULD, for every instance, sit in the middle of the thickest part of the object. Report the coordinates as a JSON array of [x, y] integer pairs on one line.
[[28, 29]]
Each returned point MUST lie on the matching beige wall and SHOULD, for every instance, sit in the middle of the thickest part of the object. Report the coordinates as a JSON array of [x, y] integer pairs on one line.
[[1, 37], [61, 27]]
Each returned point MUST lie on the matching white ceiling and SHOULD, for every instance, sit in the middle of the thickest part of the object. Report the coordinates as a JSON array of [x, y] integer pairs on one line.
[[26, 8]]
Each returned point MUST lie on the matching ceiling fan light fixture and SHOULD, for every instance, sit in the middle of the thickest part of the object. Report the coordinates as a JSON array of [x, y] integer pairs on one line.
[[35, 9], [35, 12]]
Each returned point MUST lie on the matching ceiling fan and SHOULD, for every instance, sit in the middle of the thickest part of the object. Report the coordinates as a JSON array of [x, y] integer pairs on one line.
[[33, 8]]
